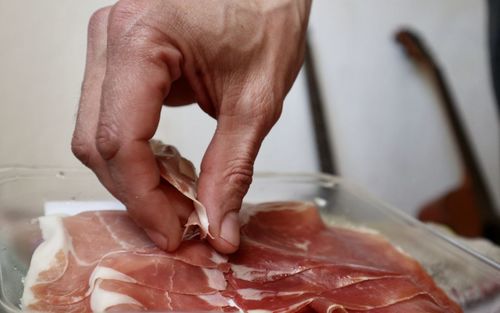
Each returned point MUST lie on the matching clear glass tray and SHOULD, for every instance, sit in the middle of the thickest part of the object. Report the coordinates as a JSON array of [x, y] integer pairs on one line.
[[469, 278]]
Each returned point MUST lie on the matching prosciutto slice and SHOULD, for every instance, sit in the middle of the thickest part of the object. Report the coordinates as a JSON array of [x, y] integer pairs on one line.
[[84, 256], [288, 261], [181, 173]]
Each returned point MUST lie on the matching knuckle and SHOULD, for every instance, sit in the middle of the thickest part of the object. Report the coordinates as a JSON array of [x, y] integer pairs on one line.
[[81, 149], [136, 22], [124, 10], [238, 175], [269, 115], [120, 17], [107, 143], [125, 20], [134, 34], [269, 108], [98, 23], [260, 106], [96, 38]]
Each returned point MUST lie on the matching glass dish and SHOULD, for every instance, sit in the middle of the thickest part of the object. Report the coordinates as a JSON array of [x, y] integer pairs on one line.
[[469, 278]]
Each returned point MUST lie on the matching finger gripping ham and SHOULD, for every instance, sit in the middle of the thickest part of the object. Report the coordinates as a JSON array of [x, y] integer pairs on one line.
[[288, 261], [181, 174]]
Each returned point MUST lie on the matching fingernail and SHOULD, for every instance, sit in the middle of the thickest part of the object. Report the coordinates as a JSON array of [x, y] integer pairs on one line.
[[230, 228], [160, 240]]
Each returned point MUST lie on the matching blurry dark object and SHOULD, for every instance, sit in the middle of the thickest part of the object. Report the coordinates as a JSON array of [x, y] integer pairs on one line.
[[326, 159], [468, 209], [494, 44]]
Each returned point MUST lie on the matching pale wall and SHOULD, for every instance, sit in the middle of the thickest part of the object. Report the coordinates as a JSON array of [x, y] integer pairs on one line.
[[384, 118]]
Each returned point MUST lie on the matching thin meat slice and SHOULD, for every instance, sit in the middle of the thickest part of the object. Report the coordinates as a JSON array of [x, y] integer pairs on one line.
[[198, 253], [154, 299], [421, 303], [363, 295], [161, 271], [285, 263], [181, 174], [373, 294], [72, 247], [105, 232], [301, 232], [80, 249], [417, 304], [76, 307], [313, 280], [356, 272], [303, 246], [340, 246]]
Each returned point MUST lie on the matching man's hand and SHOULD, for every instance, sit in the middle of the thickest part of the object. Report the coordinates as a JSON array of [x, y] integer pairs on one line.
[[236, 59]]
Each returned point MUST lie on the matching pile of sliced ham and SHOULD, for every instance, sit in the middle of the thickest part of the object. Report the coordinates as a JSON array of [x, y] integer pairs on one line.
[[288, 261]]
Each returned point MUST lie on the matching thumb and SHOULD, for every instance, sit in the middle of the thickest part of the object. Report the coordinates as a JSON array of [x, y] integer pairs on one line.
[[226, 174]]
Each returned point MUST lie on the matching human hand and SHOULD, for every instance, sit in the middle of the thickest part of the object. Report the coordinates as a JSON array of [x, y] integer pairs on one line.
[[236, 59]]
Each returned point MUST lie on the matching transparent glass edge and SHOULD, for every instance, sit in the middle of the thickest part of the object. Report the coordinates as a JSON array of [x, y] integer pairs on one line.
[[12, 173], [405, 218]]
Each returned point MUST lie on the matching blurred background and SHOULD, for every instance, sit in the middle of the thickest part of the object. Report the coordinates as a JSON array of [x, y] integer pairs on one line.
[[388, 131]]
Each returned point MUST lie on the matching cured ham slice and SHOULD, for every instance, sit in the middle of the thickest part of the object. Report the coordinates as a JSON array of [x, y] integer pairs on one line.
[[79, 252], [288, 261], [320, 265], [181, 174]]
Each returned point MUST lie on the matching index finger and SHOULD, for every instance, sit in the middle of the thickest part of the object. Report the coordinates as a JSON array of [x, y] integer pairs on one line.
[[138, 76]]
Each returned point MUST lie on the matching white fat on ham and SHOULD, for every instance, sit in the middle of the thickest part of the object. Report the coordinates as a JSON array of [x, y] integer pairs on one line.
[[256, 294], [216, 299], [123, 243], [252, 294], [45, 256], [216, 258], [233, 304], [215, 279], [249, 273], [334, 307], [302, 245], [102, 272], [101, 300]]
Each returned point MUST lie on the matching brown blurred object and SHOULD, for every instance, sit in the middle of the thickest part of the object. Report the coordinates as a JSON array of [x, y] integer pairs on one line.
[[456, 209], [467, 209]]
